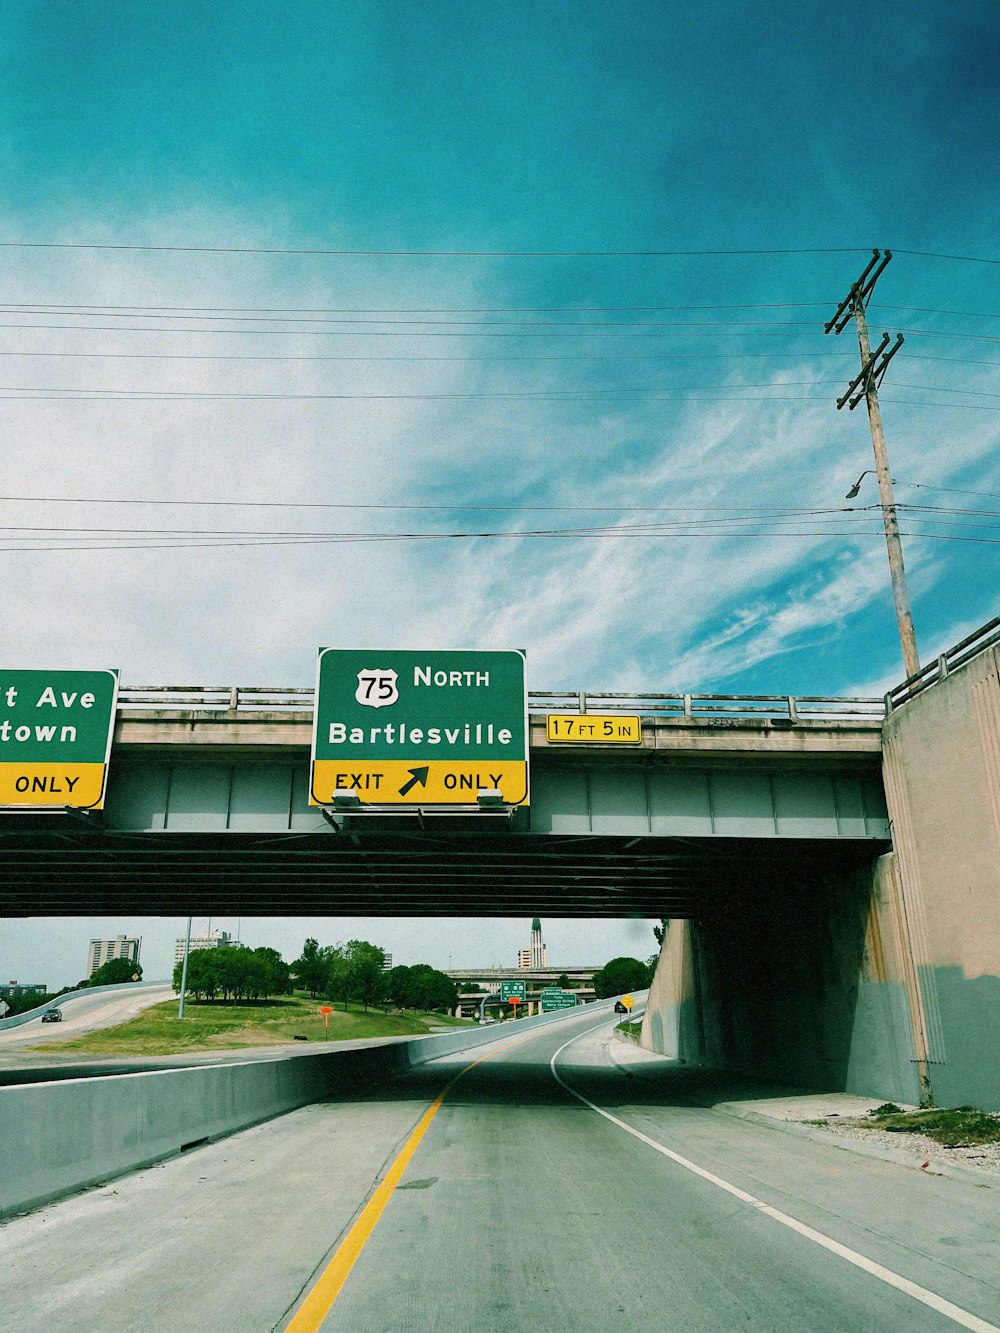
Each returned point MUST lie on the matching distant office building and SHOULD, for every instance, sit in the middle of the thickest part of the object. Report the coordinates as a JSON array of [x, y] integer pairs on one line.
[[14, 989], [536, 954], [102, 951], [212, 939]]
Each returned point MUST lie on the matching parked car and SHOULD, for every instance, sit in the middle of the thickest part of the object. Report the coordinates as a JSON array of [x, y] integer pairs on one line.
[[52, 1016]]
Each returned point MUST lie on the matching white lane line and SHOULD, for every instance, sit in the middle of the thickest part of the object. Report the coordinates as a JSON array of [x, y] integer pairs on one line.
[[928, 1298]]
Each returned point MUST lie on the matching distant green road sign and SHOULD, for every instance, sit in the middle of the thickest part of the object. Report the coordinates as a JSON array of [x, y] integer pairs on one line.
[[510, 990], [560, 1000], [55, 737], [420, 728]]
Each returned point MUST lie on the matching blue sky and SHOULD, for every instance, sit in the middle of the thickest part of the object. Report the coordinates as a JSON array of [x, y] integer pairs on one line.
[[618, 364]]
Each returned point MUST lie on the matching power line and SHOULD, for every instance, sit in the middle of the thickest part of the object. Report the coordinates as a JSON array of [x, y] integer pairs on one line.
[[127, 544], [169, 312], [407, 322], [434, 508], [927, 310], [290, 313], [749, 522], [371, 253], [423, 254], [953, 490], [934, 254], [187, 395], [559, 331], [572, 357]]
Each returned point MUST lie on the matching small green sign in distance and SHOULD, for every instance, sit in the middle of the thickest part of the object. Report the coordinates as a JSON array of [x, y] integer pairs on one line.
[[513, 989], [55, 737]]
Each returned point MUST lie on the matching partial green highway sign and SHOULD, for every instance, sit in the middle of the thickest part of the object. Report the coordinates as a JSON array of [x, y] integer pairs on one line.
[[512, 990], [55, 737], [420, 728]]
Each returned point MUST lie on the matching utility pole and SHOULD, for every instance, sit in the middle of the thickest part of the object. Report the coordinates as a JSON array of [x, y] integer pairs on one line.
[[865, 385]]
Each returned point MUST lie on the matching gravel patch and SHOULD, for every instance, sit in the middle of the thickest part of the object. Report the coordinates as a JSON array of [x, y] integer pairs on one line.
[[980, 1156]]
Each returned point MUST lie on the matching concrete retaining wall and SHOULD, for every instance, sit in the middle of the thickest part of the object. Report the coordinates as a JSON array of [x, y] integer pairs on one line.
[[942, 771], [58, 1137]]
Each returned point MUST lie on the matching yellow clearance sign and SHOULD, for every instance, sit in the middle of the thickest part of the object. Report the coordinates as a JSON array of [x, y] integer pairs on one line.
[[593, 729]]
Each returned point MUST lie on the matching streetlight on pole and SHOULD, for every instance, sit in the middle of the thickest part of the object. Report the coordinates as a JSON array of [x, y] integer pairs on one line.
[[184, 970], [865, 385]]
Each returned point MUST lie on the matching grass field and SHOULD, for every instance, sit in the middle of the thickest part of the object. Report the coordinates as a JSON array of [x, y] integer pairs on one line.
[[216, 1026]]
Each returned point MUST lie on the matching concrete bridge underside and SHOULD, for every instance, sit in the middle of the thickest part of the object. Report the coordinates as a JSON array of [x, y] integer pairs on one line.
[[194, 825], [71, 871]]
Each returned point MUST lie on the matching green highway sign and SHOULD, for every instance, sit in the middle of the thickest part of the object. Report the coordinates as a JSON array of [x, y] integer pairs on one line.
[[55, 737], [405, 727], [557, 1000], [510, 990]]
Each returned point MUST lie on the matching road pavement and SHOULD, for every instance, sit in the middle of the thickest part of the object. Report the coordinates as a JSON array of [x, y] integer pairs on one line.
[[85, 1013], [561, 1183]]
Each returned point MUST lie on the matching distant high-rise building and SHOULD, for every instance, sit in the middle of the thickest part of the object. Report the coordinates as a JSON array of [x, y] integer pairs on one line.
[[536, 954], [15, 989], [102, 951], [212, 939]]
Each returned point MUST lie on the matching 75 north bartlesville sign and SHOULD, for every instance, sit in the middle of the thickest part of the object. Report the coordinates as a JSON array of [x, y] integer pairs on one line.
[[55, 737], [419, 728]]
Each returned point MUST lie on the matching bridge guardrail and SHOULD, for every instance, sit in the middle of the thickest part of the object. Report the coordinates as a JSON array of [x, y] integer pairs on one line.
[[986, 637], [255, 698], [692, 706]]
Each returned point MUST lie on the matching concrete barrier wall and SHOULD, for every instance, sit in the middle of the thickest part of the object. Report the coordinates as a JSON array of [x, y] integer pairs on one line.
[[59, 1137]]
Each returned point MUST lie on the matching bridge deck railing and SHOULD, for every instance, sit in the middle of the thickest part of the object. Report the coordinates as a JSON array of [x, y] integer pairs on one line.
[[986, 637], [256, 699], [736, 706]]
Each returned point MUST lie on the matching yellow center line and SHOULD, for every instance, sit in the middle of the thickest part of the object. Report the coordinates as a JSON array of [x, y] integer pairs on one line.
[[327, 1287]]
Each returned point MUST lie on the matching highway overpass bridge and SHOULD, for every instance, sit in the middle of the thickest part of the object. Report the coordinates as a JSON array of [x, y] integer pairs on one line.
[[829, 868], [207, 812]]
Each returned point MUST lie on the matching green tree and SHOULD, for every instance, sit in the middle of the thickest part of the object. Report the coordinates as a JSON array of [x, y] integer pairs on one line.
[[235, 973], [433, 989], [310, 968], [401, 986], [230, 967], [367, 980], [619, 976], [274, 976], [563, 981], [115, 971], [204, 980], [421, 987], [337, 982]]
